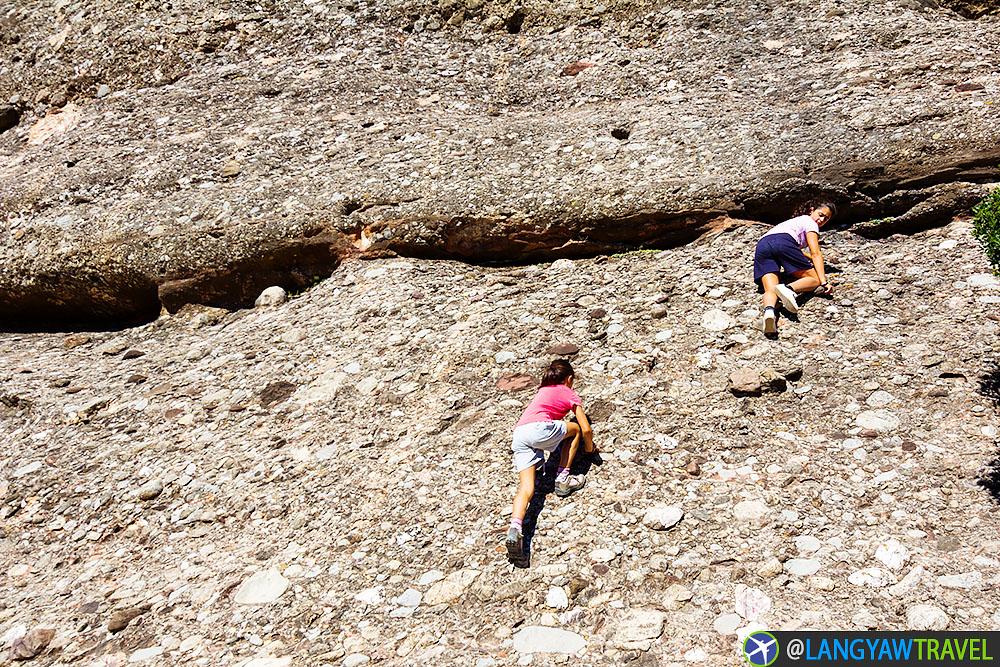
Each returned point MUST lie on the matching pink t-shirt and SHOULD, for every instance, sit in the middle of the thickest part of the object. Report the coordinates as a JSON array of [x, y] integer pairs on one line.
[[549, 404], [796, 228]]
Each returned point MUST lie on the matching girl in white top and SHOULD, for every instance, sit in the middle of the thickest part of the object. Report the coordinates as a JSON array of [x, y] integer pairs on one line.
[[782, 270]]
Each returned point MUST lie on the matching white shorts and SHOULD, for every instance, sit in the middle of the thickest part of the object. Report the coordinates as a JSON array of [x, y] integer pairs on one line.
[[531, 441]]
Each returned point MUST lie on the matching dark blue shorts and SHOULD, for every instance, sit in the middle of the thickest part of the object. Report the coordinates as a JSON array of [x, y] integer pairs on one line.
[[778, 252]]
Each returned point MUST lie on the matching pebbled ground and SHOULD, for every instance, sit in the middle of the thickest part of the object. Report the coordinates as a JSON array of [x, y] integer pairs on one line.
[[353, 442]]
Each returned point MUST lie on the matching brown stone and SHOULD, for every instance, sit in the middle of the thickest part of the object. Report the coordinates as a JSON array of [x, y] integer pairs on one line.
[[32, 644], [121, 618], [515, 383], [276, 392], [575, 68], [746, 382], [76, 340], [563, 349]]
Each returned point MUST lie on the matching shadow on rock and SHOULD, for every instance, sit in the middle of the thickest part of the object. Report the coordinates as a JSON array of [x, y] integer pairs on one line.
[[989, 386]]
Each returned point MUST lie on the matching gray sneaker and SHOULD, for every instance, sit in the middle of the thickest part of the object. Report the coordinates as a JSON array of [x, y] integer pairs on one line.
[[515, 548], [569, 485], [787, 296]]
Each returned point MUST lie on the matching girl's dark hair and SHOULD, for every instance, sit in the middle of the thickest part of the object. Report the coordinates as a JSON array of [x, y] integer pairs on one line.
[[556, 373], [812, 205]]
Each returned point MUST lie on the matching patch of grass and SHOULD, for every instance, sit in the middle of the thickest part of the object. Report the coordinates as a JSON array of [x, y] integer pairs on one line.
[[986, 226], [632, 253]]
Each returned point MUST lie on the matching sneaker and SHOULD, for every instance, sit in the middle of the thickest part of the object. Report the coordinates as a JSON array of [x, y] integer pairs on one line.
[[570, 484], [787, 296], [515, 548], [770, 321]]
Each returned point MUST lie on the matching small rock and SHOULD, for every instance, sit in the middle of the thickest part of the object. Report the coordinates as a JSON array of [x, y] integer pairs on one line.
[[966, 581], [675, 596], [752, 603], [515, 383], [504, 357], [602, 555], [802, 567], [639, 628], [807, 544], [746, 382], [231, 169], [121, 618], [430, 577], [451, 588], [892, 554], [262, 587], [871, 577], [726, 624], [563, 349], [272, 296], [31, 644], [770, 568], [659, 311], [103, 90], [557, 598], [112, 348], [881, 421], [410, 598], [926, 617], [748, 511], [541, 639], [355, 659], [76, 340], [716, 320], [662, 517], [150, 490]]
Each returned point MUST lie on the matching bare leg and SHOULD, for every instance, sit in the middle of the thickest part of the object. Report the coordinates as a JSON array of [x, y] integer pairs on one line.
[[567, 452], [525, 489], [806, 281], [770, 281]]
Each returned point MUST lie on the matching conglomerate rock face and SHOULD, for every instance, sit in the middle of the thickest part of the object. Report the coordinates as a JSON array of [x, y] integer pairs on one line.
[[168, 146], [327, 481]]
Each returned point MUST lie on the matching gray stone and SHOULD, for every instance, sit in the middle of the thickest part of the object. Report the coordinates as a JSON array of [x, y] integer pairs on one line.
[[150, 490], [881, 421], [639, 628], [662, 517], [926, 617], [542, 639], [272, 296], [802, 567], [262, 587], [751, 511], [716, 320]]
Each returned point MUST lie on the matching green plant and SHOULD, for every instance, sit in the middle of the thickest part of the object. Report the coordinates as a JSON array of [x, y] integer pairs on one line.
[[986, 226]]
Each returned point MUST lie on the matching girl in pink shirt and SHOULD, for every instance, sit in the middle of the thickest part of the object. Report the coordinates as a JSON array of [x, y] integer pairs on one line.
[[541, 429]]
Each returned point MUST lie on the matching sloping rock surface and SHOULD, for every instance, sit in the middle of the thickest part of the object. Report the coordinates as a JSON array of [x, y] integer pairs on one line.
[[380, 472], [163, 152]]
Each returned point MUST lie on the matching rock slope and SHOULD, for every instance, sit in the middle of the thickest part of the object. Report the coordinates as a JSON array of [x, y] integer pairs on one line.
[[326, 481], [155, 156]]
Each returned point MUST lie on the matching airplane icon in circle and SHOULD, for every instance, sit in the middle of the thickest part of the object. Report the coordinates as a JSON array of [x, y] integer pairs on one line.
[[761, 648]]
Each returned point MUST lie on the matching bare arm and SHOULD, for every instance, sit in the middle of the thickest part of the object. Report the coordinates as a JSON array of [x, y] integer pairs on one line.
[[585, 430], [812, 238]]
